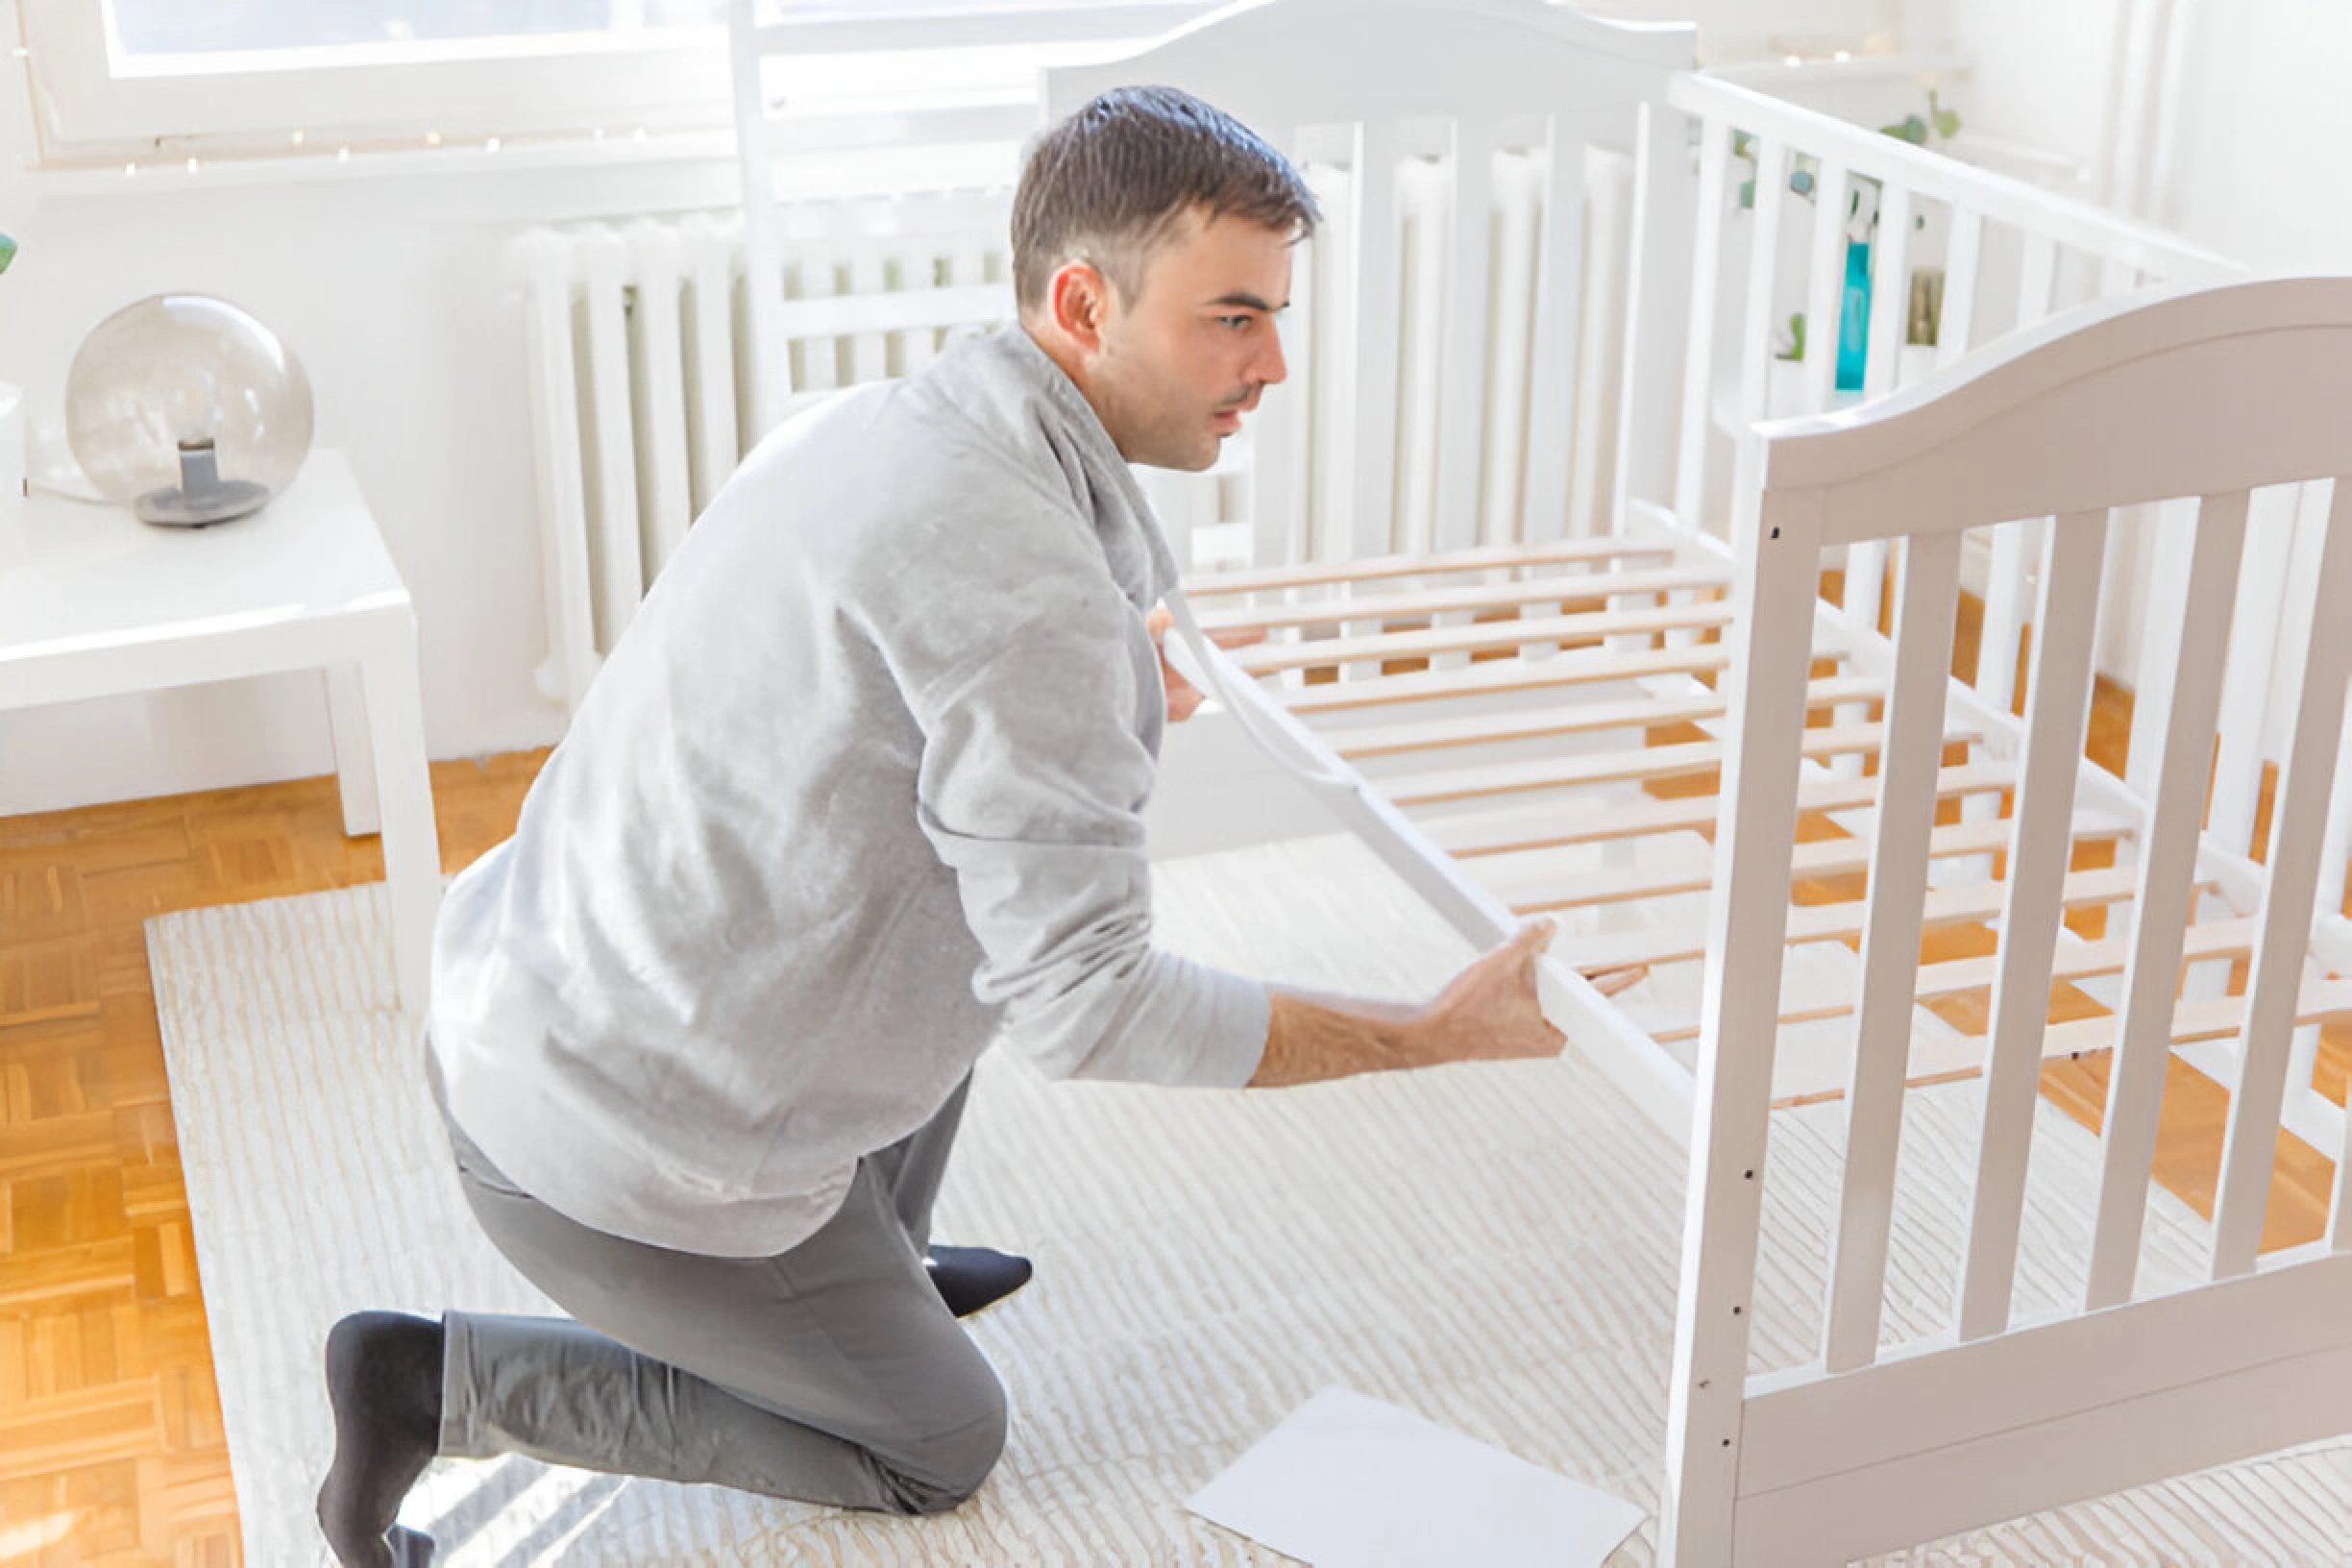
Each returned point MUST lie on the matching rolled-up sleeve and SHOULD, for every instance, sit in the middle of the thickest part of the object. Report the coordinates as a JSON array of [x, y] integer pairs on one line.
[[1031, 790]]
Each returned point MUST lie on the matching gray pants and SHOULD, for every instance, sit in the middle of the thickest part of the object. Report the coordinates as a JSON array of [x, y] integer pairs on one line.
[[831, 1373]]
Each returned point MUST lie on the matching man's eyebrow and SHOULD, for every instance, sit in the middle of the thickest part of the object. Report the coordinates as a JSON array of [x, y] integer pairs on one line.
[[1250, 302]]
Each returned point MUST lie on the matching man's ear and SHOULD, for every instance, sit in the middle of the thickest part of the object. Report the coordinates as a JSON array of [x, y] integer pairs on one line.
[[1078, 300]]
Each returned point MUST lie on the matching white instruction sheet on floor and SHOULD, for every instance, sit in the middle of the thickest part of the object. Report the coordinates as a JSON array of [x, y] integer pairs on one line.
[[1349, 1482]]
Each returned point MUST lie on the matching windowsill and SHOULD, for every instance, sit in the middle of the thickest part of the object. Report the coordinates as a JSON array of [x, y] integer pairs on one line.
[[940, 145]]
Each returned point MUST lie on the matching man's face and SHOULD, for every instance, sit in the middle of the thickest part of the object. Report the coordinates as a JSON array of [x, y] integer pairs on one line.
[[1187, 357]]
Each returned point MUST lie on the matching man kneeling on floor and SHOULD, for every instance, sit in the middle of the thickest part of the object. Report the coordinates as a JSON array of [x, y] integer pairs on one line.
[[861, 789]]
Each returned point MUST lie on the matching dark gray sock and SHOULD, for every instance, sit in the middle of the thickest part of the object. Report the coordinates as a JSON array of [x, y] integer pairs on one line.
[[971, 1278], [383, 1380]]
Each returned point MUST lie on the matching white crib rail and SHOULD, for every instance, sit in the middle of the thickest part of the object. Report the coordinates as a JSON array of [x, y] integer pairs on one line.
[[2065, 248], [1867, 1449]]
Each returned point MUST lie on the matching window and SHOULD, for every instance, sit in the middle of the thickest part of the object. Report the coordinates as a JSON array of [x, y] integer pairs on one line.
[[139, 81], [147, 31]]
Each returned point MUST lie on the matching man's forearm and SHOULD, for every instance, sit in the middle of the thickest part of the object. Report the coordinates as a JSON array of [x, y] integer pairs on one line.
[[1312, 1037]]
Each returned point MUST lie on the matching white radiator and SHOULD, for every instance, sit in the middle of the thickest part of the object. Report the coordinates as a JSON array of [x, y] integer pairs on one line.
[[639, 345]]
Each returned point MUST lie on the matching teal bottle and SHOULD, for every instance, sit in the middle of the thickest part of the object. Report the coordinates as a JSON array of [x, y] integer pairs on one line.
[[1853, 317]]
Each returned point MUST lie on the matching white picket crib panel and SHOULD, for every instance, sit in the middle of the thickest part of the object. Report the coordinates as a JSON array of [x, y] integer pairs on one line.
[[2106, 420]]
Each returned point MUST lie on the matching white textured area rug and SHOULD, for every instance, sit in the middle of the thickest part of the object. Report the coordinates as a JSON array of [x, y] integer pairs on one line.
[[1492, 1246]]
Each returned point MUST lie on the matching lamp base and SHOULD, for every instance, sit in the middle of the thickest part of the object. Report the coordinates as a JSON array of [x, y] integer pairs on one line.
[[215, 503]]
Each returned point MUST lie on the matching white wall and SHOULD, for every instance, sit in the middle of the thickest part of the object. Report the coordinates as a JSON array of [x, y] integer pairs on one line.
[[2261, 171], [2043, 74], [2249, 144], [391, 292]]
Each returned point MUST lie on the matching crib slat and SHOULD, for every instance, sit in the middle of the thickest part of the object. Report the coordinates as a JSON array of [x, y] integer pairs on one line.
[[2225, 939], [2001, 639], [1658, 296], [1579, 667], [1959, 905], [1277, 484], [1890, 291], [1552, 365], [1827, 271], [2037, 277], [1822, 858], [1491, 558], [2255, 648], [2168, 863], [2014, 544], [1698, 346], [2057, 711], [1889, 295], [1958, 317], [1924, 630], [2336, 845], [2166, 537], [1372, 647], [1503, 451], [2340, 1203], [2289, 896], [1461, 406], [2212, 1018], [1746, 922], [1501, 596], [1643, 762], [1771, 158], [1470, 834], [1571, 718], [1371, 494]]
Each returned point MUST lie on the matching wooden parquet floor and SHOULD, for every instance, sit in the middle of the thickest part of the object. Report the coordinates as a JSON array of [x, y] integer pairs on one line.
[[110, 1441]]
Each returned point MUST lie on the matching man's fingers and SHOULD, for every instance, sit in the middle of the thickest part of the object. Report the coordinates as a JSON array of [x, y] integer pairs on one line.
[[1532, 939]]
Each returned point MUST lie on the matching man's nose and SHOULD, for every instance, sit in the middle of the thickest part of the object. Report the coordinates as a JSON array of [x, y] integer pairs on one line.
[[1271, 367]]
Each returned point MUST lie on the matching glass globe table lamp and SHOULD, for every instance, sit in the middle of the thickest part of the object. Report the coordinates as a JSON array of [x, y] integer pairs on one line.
[[187, 410]]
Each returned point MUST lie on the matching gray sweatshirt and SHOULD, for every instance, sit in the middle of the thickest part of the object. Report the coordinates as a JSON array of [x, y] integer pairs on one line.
[[861, 787]]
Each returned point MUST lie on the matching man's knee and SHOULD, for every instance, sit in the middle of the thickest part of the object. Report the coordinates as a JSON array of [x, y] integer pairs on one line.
[[943, 1471]]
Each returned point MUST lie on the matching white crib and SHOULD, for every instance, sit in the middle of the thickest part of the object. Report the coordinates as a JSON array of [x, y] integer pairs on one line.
[[1532, 582], [1514, 766]]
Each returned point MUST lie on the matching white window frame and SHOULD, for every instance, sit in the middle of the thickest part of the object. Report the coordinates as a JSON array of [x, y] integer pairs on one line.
[[88, 112]]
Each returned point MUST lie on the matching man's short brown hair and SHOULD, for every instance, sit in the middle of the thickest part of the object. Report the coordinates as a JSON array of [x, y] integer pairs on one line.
[[1108, 185]]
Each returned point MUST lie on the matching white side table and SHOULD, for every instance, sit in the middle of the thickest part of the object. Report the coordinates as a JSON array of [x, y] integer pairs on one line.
[[94, 602]]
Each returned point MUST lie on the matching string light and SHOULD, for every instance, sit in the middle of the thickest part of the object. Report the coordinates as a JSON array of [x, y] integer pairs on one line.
[[491, 146], [1843, 55], [191, 165], [129, 170], [297, 137], [432, 138], [342, 155]]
